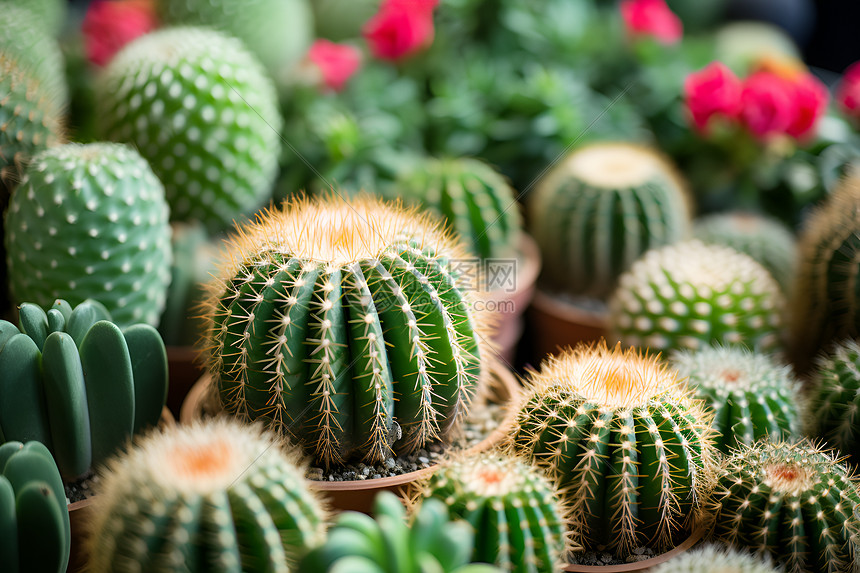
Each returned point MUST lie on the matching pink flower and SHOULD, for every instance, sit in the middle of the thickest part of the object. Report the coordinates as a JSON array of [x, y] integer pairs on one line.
[[848, 93], [713, 91], [400, 28], [810, 103], [768, 105], [651, 18], [110, 25], [336, 62]]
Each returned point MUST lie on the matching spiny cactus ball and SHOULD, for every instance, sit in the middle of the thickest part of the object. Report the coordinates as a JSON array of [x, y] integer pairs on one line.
[[690, 295], [201, 110], [341, 324], [215, 496], [834, 406], [716, 559]]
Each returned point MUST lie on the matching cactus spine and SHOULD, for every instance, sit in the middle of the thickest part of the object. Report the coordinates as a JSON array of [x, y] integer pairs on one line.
[[714, 559], [834, 406]]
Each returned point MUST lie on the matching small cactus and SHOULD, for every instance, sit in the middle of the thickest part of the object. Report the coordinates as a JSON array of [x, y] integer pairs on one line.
[[752, 395], [341, 324], [629, 448], [715, 559], [519, 520], [216, 496], [600, 209], [834, 404], [71, 379], [793, 501], [90, 221], [201, 110], [691, 295]]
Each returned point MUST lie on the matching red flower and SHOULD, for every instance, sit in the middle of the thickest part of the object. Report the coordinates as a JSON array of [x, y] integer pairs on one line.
[[336, 62], [810, 101], [848, 93], [768, 105], [110, 25], [713, 91], [400, 28], [651, 18]]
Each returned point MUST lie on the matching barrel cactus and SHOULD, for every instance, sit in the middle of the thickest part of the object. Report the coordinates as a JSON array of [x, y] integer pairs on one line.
[[90, 221], [201, 110], [752, 395], [834, 406], [341, 324], [35, 533], [715, 559], [793, 501], [519, 519], [216, 496], [602, 207], [628, 446], [71, 379], [691, 295]]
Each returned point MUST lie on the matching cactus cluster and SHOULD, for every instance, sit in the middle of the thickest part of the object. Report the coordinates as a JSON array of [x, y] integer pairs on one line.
[[218, 496], [628, 446], [35, 532], [519, 519], [834, 404], [691, 295], [90, 221], [752, 395], [793, 501], [341, 324], [71, 379], [600, 209], [715, 559], [199, 107]]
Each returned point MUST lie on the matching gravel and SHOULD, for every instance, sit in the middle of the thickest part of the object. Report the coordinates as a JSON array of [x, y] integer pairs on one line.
[[81, 489], [606, 558]]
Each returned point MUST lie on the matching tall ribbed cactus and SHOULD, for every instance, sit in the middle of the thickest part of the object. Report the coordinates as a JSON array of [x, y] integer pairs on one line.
[[596, 212], [342, 325], [791, 500], [628, 447], [715, 559], [218, 496], [834, 405]]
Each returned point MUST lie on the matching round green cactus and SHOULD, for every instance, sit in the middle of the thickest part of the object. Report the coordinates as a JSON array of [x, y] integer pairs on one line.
[[474, 199], [71, 379], [201, 110], [50, 14], [834, 404], [216, 496], [390, 544], [35, 532], [628, 447], [341, 324], [596, 213], [715, 559], [519, 519], [752, 396], [793, 501], [90, 221], [691, 295]]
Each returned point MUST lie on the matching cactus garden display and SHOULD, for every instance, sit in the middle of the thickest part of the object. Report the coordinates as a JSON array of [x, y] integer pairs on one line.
[[716, 559], [71, 379], [834, 404]]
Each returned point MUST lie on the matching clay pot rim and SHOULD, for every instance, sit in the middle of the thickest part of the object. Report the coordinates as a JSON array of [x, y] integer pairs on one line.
[[552, 304], [683, 547]]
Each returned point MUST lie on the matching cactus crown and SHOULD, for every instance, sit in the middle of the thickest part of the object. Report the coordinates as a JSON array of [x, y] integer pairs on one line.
[[716, 559], [614, 165]]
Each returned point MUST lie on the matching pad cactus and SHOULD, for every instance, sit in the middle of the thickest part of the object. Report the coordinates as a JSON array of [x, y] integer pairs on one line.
[[218, 496], [596, 212], [792, 501], [201, 110], [90, 221], [752, 395], [834, 404], [519, 520], [340, 324], [628, 446], [474, 199], [714, 559], [691, 295], [389, 544], [71, 379]]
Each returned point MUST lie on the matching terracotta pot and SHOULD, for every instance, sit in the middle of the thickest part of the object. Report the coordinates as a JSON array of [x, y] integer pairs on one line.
[[645, 565], [358, 495], [183, 371], [556, 323]]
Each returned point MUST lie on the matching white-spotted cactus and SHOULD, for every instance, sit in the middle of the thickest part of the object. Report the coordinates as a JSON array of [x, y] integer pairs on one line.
[[716, 559]]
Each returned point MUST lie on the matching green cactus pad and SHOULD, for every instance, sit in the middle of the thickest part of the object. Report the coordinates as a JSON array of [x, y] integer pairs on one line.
[[218, 496], [834, 404], [715, 559], [201, 110], [602, 207], [691, 295], [90, 221]]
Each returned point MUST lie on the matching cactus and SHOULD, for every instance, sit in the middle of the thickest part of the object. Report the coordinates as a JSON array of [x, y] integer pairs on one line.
[[630, 449], [35, 532], [752, 395], [50, 14], [340, 324], [834, 404], [519, 520], [71, 379], [714, 559], [793, 501], [691, 295], [472, 197], [388, 544], [201, 110], [216, 496], [596, 212], [765, 239], [90, 221]]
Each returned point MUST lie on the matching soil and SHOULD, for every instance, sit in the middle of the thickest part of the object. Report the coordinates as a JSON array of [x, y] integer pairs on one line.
[[597, 558], [82, 489]]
